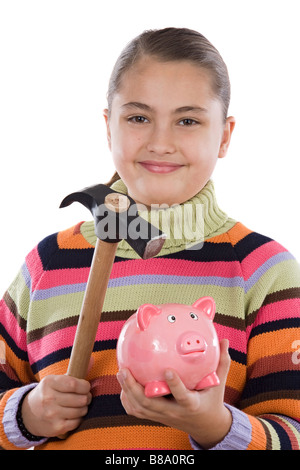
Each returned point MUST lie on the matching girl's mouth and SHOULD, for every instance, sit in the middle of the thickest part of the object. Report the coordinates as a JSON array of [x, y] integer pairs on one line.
[[160, 167]]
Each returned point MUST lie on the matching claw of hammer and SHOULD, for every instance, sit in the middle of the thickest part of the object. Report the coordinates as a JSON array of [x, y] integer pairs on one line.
[[116, 217]]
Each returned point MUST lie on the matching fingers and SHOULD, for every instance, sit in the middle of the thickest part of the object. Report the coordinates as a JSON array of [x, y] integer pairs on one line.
[[72, 400], [57, 404], [132, 396], [67, 384], [135, 402], [73, 412], [67, 391], [129, 385], [179, 391], [224, 363]]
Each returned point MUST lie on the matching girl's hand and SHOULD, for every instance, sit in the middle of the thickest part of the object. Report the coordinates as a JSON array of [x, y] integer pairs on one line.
[[201, 414], [56, 405]]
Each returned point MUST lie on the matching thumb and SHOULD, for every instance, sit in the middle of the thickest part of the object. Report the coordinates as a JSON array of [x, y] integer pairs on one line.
[[224, 363]]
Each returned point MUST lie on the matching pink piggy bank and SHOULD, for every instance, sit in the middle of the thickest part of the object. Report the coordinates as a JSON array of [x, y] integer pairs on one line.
[[176, 336]]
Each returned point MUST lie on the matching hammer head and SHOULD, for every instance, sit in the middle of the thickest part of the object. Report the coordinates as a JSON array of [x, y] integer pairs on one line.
[[116, 218]]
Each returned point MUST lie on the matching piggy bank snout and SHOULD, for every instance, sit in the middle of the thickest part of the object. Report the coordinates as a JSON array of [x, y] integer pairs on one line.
[[191, 342]]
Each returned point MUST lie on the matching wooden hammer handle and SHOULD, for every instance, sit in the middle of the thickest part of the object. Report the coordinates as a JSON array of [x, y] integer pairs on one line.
[[91, 310]]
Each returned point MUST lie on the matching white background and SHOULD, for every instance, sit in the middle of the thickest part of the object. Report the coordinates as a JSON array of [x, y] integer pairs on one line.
[[56, 57]]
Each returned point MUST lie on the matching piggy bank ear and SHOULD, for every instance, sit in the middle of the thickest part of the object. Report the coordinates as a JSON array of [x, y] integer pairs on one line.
[[207, 305], [144, 315]]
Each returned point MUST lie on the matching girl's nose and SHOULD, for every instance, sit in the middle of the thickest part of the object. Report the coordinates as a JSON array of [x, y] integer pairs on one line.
[[161, 142]]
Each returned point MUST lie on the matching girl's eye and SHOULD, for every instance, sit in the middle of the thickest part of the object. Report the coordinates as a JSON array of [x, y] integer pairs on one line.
[[171, 318], [138, 119], [193, 316], [188, 122]]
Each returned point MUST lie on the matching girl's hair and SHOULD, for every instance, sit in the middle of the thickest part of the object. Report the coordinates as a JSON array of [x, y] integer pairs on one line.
[[173, 44]]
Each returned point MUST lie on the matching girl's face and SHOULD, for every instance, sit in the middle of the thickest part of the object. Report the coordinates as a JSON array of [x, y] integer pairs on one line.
[[166, 131]]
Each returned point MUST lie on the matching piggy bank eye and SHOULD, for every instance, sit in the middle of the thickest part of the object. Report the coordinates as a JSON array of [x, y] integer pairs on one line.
[[171, 318], [193, 316]]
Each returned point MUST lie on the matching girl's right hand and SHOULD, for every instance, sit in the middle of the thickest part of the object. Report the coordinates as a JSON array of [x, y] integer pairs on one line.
[[56, 405]]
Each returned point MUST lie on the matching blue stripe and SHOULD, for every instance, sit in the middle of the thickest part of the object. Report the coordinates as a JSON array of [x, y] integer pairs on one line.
[[44, 294], [270, 263], [26, 276], [236, 281], [188, 280]]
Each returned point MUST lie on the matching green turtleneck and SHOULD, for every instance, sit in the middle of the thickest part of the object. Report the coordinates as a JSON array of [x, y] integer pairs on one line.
[[184, 224]]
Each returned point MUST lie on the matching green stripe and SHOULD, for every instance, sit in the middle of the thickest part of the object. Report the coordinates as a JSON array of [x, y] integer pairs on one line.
[[279, 277], [130, 297], [20, 295], [45, 312]]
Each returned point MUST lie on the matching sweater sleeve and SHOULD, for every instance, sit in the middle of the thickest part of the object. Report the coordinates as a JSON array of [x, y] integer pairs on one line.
[[271, 397], [15, 370]]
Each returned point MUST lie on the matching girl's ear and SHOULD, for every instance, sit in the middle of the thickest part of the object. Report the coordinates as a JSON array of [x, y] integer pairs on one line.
[[105, 114], [227, 132]]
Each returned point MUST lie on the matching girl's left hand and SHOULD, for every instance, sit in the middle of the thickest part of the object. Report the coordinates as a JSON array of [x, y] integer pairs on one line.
[[201, 414]]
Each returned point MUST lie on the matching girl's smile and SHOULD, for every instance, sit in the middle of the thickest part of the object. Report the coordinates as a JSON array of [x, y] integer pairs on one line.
[[160, 167], [166, 131]]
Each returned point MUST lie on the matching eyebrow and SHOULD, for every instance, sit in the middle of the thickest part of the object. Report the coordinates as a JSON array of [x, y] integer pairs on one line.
[[182, 109], [195, 109]]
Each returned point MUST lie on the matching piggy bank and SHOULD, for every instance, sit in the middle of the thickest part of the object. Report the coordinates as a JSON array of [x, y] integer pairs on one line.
[[176, 336]]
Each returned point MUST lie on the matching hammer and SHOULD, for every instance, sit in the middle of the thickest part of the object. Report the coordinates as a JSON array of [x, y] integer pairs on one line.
[[116, 217]]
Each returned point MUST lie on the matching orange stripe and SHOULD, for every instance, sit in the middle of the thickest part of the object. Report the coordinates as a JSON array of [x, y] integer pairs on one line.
[[117, 438], [236, 377], [233, 236], [5, 443], [285, 406], [58, 368], [21, 368], [258, 435], [105, 363], [272, 343], [72, 239], [238, 232]]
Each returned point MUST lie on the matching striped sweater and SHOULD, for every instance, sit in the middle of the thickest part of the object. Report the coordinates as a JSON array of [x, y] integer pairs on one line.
[[255, 283]]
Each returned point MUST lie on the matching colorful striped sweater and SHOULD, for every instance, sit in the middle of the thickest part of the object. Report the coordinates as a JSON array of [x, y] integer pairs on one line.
[[255, 283]]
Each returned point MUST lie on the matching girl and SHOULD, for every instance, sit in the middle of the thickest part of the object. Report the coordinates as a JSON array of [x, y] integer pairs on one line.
[[167, 125]]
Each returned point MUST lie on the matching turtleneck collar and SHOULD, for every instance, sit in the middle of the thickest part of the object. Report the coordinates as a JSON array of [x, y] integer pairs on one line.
[[185, 225]]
